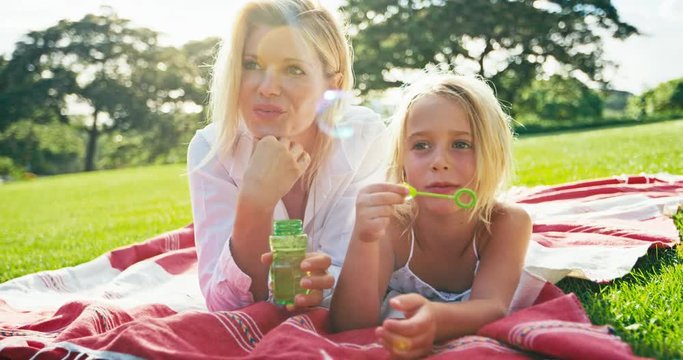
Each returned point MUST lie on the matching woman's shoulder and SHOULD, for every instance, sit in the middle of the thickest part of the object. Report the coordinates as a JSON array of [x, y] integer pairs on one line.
[[362, 120], [364, 132], [201, 144], [207, 135]]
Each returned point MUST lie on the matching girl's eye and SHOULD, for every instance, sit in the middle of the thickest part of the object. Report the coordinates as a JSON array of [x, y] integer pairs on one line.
[[420, 145], [294, 70], [459, 144], [250, 65]]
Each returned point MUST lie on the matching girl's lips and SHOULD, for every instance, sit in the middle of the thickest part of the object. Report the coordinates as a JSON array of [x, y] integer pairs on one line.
[[442, 189]]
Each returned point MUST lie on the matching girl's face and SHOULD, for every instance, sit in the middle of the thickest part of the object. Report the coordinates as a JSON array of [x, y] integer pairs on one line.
[[438, 151], [282, 82]]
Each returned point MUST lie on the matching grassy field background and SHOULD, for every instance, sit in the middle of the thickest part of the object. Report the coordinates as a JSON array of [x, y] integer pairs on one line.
[[60, 221]]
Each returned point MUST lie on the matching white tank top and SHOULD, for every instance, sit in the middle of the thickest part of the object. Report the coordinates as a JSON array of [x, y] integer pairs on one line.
[[404, 281]]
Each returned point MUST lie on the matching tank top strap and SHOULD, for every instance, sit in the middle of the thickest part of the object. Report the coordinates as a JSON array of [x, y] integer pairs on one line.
[[412, 245], [474, 247]]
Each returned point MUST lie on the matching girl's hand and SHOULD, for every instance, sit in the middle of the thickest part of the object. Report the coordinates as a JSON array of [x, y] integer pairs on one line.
[[374, 207], [315, 265], [413, 336], [273, 169]]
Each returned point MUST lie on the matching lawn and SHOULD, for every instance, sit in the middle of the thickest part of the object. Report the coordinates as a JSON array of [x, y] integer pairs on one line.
[[60, 221]]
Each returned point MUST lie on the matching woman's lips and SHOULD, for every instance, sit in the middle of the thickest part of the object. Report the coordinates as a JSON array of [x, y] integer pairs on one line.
[[268, 112]]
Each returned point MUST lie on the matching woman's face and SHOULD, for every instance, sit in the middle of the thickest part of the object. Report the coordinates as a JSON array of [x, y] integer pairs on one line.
[[438, 151], [283, 81]]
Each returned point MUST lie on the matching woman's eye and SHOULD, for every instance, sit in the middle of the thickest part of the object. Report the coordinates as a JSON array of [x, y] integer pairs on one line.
[[461, 145], [250, 65], [420, 145], [294, 70]]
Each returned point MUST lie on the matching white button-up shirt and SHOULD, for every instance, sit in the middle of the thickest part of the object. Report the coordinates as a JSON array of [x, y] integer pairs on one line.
[[353, 162]]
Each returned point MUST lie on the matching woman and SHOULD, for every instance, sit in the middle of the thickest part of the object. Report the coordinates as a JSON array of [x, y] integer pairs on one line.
[[265, 156]]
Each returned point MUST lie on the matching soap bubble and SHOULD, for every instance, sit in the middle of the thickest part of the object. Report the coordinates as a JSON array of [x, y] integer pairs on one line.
[[330, 111]]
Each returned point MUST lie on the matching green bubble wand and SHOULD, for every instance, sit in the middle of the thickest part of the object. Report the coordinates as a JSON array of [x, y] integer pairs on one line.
[[412, 192]]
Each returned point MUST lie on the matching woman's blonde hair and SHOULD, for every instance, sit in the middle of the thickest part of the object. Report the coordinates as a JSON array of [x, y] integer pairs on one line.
[[321, 31], [491, 132]]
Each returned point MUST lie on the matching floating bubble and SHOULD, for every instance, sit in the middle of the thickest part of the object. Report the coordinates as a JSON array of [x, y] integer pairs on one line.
[[330, 112]]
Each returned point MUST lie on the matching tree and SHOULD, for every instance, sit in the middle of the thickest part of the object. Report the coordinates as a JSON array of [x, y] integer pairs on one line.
[[42, 148], [504, 40], [30, 92], [128, 81], [665, 99], [559, 98]]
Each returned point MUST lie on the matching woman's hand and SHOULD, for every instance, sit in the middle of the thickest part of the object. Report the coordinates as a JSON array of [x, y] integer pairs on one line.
[[273, 169], [374, 207], [413, 336], [315, 265]]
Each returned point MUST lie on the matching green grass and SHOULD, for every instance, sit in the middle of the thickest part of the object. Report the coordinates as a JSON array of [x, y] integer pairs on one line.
[[65, 220], [646, 306], [60, 221], [570, 156]]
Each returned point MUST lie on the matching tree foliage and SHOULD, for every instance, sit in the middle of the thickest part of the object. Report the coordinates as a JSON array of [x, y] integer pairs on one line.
[[128, 80], [42, 148], [507, 41], [560, 98], [665, 99]]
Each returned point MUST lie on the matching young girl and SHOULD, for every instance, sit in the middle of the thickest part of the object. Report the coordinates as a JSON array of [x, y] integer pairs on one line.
[[447, 271]]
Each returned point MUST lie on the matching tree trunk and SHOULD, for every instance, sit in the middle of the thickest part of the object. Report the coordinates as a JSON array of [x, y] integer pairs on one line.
[[92, 144], [487, 50]]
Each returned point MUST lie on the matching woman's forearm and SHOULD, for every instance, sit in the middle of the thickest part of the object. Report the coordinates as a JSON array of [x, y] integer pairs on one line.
[[253, 223]]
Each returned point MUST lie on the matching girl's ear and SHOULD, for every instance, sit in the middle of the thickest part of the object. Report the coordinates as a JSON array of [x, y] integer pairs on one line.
[[335, 81]]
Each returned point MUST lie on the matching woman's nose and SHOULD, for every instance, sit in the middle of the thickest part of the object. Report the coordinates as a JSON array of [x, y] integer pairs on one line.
[[269, 84]]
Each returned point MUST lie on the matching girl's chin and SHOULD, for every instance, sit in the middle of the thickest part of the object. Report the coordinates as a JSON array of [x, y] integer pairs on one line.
[[439, 207]]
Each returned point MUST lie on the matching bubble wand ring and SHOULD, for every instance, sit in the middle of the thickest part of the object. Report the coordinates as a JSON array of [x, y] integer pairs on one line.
[[455, 197]]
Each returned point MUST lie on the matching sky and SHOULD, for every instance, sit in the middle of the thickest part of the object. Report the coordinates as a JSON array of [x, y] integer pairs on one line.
[[643, 61]]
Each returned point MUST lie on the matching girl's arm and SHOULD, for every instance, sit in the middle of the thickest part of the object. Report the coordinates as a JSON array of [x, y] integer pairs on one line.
[[366, 156], [494, 285], [369, 260]]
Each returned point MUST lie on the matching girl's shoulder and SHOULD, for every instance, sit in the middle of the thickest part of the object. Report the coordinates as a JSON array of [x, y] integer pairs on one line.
[[510, 229], [508, 214], [508, 220]]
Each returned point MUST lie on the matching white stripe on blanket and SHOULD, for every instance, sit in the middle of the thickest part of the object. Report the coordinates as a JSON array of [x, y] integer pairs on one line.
[[142, 283]]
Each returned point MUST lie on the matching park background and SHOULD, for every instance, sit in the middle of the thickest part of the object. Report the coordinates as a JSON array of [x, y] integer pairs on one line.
[[595, 87]]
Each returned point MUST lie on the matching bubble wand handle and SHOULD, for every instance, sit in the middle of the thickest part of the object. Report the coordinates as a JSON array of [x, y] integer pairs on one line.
[[434, 195], [455, 197]]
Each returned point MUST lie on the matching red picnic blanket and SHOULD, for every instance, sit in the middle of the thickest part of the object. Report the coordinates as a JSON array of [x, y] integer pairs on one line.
[[143, 301]]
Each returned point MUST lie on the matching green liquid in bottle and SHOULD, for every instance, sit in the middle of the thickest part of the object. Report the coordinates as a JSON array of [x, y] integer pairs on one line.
[[288, 244]]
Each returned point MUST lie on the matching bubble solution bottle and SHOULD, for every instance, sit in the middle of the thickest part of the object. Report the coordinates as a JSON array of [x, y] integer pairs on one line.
[[288, 244]]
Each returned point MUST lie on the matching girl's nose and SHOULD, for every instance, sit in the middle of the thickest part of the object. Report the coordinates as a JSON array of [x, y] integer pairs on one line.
[[440, 161], [440, 166], [269, 85]]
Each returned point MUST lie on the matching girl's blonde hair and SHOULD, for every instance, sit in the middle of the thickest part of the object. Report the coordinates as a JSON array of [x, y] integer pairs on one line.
[[491, 132], [321, 31]]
